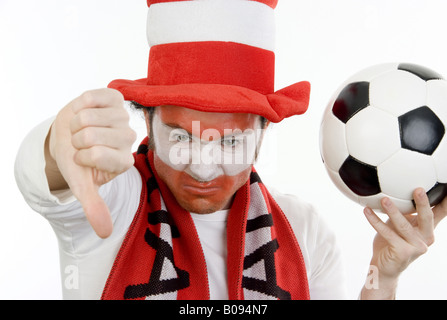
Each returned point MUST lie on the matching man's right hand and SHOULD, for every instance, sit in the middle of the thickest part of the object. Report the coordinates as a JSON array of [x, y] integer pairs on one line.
[[89, 144]]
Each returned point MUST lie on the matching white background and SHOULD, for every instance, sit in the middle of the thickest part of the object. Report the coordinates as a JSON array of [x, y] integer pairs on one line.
[[53, 50]]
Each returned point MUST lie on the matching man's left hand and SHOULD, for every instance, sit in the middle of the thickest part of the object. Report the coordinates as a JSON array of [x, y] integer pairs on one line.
[[401, 240]]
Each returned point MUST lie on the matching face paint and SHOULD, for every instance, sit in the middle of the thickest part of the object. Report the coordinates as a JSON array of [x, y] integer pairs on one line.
[[203, 163], [205, 155]]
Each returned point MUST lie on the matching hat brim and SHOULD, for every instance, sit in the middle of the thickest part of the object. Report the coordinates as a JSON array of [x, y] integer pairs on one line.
[[284, 103]]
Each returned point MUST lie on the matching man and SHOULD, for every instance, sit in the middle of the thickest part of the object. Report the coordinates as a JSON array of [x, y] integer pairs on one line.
[[187, 217]]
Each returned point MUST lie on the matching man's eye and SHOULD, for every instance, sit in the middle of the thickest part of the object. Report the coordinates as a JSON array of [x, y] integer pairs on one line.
[[182, 138], [230, 142]]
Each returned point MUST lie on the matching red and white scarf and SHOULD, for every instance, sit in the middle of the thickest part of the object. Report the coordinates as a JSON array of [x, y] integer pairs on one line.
[[161, 256]]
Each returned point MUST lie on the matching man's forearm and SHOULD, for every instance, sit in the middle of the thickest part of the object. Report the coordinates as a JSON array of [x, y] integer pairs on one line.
[[378, 287]]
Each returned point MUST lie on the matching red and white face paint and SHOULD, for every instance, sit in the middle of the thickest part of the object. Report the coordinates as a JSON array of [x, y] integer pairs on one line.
[[204, 158], [205, 155]]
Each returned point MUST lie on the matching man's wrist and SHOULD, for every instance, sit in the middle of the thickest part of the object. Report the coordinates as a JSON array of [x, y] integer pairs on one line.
[[379, 286]]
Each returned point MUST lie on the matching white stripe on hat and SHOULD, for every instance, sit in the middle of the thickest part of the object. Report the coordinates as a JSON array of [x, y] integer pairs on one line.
[[241, 21]]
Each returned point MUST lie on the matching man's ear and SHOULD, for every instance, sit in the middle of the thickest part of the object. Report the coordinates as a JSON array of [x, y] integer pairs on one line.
[[267, 124], [148, 120], [148, 117], [264, 124]]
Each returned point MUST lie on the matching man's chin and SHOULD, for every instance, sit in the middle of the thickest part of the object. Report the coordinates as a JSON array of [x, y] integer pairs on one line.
[[203, 206]]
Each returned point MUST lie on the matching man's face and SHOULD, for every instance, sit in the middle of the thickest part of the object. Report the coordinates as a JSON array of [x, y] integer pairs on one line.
[[204, 158]]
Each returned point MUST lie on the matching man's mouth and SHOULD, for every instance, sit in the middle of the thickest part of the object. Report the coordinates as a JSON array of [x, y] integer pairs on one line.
[[201, 188]]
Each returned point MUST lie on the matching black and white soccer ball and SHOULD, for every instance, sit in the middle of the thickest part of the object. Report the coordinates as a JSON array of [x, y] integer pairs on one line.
[[384, 134]]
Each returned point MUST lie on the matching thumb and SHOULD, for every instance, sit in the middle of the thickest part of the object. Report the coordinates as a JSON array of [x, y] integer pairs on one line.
[[96, 210]]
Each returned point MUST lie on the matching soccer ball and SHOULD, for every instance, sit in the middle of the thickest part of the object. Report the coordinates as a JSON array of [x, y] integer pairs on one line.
[[384, 134]]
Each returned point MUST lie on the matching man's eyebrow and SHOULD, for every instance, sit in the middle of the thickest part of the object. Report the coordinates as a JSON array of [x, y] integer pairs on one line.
[[174, 126], [233, 133]]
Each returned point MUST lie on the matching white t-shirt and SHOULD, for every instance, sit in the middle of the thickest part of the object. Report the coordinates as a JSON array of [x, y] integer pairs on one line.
[[86, 260]]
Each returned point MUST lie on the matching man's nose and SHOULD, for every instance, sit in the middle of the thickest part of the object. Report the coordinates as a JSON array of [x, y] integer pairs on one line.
[[203, 166], [204, 172]]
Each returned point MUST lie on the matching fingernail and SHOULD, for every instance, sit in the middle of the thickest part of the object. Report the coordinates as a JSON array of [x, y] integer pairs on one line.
[[386, 202], [420, 194], [367, 211]]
